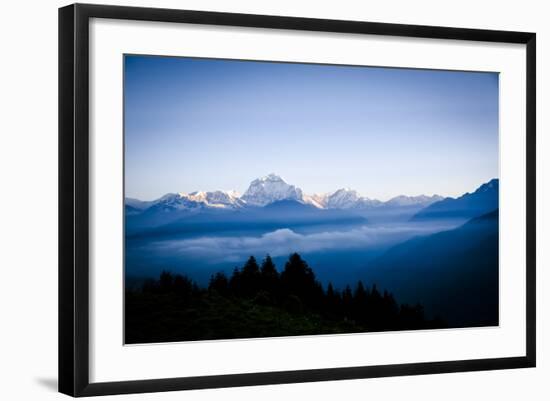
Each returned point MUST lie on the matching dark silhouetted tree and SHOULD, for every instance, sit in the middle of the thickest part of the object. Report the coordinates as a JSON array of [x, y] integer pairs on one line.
[[373, 310], [184, 287], [332, 301], [359, 303], [251, 267], [219, 283], [391, 309], [347, 302], [269, 277], [269, 271], [250, 278], [299, 280], [166, 281], [235, 285]]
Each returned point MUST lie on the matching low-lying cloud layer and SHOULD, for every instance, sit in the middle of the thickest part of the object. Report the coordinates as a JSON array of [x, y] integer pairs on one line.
[[282, 242]]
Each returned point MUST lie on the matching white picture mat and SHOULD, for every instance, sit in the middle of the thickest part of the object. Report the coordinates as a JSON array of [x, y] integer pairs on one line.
[[110, 360]]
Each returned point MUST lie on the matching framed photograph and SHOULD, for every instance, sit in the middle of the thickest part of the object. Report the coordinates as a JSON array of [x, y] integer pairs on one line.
[[250, 199]]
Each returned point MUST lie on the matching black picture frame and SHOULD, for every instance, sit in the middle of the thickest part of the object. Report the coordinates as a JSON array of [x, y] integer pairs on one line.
[[74, 200]]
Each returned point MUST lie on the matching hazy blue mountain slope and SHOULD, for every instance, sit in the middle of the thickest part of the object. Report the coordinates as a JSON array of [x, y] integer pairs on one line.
[[469, 205], [454, 274], [130, 210]]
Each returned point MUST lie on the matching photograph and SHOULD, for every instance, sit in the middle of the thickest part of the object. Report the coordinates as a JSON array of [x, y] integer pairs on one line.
[[269, 199]]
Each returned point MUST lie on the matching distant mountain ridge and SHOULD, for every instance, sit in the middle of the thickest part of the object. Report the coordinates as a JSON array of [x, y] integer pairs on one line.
[[267, 190], [282, 214], [483, 200]]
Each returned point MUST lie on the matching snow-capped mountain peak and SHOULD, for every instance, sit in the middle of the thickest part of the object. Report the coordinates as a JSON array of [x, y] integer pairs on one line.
[[195, 201], [346, 198], [343, 198], [216, 199], [271, 188], [174, 201], [317, 200], [271, 177]]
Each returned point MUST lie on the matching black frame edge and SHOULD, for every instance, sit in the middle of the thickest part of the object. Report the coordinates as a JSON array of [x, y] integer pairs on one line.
[[73, 201], [531, 199], [81, 197], [73, 193], [66, 340], [301, 23], [301, 376]]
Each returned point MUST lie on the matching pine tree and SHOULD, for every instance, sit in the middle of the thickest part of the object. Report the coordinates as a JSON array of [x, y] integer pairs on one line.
[[375, 308], [330, 291], [332, 300], [268, 268], [297, 279], [219, 284], [389, 311], [360, 294], [235, 286], [250, 277], [347, 301], [183, 286], [269, 276], [166, 281], [359, 307], [251, 267]]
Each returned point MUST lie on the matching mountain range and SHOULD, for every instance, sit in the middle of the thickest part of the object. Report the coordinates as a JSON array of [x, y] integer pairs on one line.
[[267, 190]]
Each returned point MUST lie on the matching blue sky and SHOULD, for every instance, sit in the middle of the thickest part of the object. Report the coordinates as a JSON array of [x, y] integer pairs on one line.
[[205, 124]]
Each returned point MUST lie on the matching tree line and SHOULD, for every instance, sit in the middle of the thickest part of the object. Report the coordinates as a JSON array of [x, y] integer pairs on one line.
[[296, 291]]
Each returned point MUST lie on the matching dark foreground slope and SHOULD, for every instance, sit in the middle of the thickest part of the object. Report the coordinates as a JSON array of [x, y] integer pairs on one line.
[[261, 302], [454, 274]]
